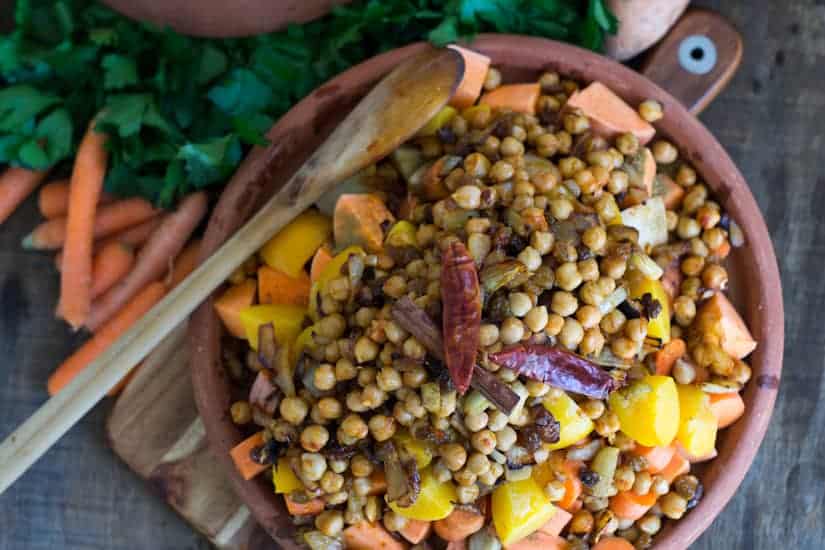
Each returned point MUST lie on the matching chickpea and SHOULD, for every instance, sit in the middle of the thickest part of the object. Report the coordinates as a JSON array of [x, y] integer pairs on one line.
[[613, 266], [314, 437], [388, 379], [476, 422], [684, 310], [293, 410], [479, 245], [547, 145], [673, 505], [623, 478], [488, 334], [330, 522], [382, 427], [561, 209], [715, 276], [501, 171], [564, 303], [484, 441], [636, 329], [623, 348], [642, 483], [692, 265], [520, 303], [361, 486], [618, 182], [660, 485], [511, 331], [683, 372], [581, 523], [331, 326], [627, 143], [686, 176], [313, 466], [353, 426], [593, 342], [536, 319], [554, 324], [530, 257], [714, 237], [694, 199], [664, 152], [511, 147], [241, 412], [468, 197], [476, 165], [576, 123], [360, 466], [571, 334], [687, 228], [568, 276], [453, 456], [650, 110]]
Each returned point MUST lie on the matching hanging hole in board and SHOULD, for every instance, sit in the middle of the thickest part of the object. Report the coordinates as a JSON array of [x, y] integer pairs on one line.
[[697, 54]]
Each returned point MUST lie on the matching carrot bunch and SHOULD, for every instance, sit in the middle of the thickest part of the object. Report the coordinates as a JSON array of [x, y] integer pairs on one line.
[[117, 257]]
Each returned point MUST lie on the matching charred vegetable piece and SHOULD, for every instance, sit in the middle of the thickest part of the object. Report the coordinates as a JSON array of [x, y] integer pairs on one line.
[[461, 325], [361, 220], [557, 367], [403, 479], [262, 394], [435, 500], [415, 320], [495, 276], [277, 357]]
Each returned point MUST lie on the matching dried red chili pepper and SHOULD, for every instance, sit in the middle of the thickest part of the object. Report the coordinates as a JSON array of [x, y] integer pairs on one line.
[[558, 368], [461, 314]]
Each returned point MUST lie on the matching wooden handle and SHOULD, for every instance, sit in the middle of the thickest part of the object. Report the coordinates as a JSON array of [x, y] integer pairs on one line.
[[697, 58]]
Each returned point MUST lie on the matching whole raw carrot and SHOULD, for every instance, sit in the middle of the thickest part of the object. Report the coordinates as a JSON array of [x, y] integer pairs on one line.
[[106, 336], [153, 259], [184, 264], [15, 185], [133, 236], [87, 184], [53, 199], [110, 265], [111, 218]]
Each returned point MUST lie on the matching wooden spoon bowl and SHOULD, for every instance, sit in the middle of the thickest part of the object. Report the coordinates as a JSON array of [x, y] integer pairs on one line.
[[755, 283]]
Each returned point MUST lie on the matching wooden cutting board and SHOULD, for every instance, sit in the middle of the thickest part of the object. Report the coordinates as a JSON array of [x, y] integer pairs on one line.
[[154, 426]]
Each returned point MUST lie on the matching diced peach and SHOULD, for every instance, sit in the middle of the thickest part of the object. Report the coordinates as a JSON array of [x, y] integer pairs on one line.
[[539, 541], [727, 408], [609, 115], [734, 335], [678, 465], [673, 192], [459, 525], [557, 523], [370, 536], [416, 530], [657, 457], [521, 98]]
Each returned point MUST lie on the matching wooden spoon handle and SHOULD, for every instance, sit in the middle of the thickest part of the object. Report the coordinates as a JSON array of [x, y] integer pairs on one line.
[[696, 59], [392, 112]]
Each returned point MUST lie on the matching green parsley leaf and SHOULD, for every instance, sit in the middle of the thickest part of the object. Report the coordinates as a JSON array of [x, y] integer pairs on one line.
[[119, 72]]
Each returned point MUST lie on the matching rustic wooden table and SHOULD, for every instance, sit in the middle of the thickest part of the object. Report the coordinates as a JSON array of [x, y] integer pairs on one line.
[[770, 119]]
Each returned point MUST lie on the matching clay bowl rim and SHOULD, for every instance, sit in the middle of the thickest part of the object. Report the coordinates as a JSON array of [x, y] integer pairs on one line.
[[759, 289]]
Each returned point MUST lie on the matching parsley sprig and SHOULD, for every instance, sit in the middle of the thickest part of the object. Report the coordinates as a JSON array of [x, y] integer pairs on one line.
[[182, 111]]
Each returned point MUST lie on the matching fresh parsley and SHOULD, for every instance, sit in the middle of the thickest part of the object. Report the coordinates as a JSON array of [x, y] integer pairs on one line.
[[182, 111]]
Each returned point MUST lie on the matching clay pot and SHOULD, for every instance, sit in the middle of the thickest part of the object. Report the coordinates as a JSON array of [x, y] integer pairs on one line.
[[222, 18], [754, 274]]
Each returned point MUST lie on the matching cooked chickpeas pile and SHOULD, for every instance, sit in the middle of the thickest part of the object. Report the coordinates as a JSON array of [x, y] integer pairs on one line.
[[548, 197]]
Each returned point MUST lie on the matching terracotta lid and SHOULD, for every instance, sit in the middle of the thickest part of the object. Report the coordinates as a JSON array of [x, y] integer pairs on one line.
[[222, 17]]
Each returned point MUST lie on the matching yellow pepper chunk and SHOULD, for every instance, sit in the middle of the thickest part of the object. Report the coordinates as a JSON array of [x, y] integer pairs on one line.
[[401, 234], [519, 509], [284, 478], [303, 340], [574, 424], [441, 119], [295, 244], [422, 451], [697, 423], [331, 271], [286, 319], [659, 326], [434, 502], [648, 410]]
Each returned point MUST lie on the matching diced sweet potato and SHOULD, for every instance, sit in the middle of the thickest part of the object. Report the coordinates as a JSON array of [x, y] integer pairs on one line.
[[361, 220], [609, 115], [322, 257], [475, 71], [230, 304], [276, 287], [727, 408], [460, 524], [734, 335], [521, 98], [539, 541], [370, 536], [557, 523], [673, 192], [416, 530], [310, 508]]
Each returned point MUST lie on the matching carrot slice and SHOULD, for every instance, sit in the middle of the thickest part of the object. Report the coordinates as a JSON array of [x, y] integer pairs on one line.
[[557, 523], [15, 185], [87, 183], [667, 356], [416, 530], [230, 304], [108, 333], [727, 408], [677, 466], [736, 338], [657, 457], [629, 505], [673, 193], [242, 456], [609, 115], [311, 508], [322, 257], [476, 66], [370, 536], [109, 266], [613, 543], [572, 486], [539, 540], [276, 287], [520, 98], [459, 525]]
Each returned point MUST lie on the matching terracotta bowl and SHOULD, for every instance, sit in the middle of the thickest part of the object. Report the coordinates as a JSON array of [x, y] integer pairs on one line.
[[754, 275]]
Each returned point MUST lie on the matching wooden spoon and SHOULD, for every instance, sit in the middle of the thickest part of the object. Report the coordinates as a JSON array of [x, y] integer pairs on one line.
[[389, 115]]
